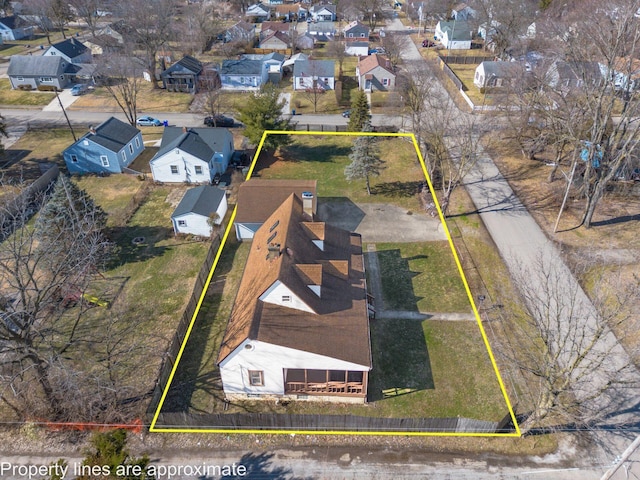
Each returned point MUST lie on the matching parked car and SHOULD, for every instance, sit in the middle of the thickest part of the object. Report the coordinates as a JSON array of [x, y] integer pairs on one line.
[[148, 122], [428, 43], [219, 121], [79, 89], [346, 113]]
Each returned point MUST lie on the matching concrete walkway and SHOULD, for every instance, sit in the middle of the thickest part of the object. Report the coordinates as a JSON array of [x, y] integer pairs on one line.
[[65, 97]]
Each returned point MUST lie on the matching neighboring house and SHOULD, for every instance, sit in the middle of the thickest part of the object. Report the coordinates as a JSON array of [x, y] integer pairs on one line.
[[356, 47], [243, 74], [305, 42], [374, 72], [626, 73], [102, 44], [259, 198], [272, 63], [108, 148], [356, 30], [564, 76], [240, 32], [463, 12], [117, 30], [453, 35], [498, 74], [488, 31], [309, 74], [290, 12], [14, 28], [291, 61], [193, 155], [323, 13], [183, 75], [268, 28], [33, 71], [276, 41], [199, 208], [299, 327], [71, 49], [259, 11], [322, 29]]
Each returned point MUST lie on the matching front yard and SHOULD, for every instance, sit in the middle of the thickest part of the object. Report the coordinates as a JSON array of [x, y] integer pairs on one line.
[[21, 97], [148, 99]]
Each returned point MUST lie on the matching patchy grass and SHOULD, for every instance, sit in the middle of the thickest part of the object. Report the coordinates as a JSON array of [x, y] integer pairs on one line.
[[421, 277], [302, 102], [324, 158], [21, 97], [112, 193], [149, 99]]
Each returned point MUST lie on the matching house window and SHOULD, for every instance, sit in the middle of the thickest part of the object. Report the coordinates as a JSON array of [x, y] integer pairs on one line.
[[350, 34], [174, 169], [104, 160], [46, 79], [362, 35], [256, 378], [61, 77], [20, 79], [131, 149], [123, 154], [286, 298], [182, 223], [385, 81], [74, 158], [198, 170], [137, 142]]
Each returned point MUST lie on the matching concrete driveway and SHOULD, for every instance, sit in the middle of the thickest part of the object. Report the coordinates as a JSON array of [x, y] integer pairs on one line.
[[379, 222]]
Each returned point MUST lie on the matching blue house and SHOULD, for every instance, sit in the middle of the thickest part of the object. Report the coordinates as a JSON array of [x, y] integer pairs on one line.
[[108, 148]]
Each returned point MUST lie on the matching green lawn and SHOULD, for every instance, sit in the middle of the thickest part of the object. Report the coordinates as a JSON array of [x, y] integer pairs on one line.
[[21, 97], [421, 277], [324, 158]]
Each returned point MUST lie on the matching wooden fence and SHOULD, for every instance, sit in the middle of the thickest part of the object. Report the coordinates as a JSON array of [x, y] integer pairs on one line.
[[464, 60], [450, 73], [296, 422], [304, 127], [181, 330]]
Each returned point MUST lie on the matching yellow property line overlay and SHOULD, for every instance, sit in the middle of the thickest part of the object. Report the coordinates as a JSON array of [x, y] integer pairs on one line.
[[411, 136]]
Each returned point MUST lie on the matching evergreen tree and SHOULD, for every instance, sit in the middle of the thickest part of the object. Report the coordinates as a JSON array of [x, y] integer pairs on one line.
[[263, 111], [359, 113], [365, 159], [70, 225], [109, 452]]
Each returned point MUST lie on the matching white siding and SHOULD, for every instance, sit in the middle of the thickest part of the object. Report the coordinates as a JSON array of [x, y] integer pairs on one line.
[[275, 294], [195, 224], [272, 360], [161, 168], [244, 232]]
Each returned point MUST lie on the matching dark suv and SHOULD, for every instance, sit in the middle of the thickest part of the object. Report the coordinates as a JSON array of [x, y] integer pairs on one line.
[[219, 121]]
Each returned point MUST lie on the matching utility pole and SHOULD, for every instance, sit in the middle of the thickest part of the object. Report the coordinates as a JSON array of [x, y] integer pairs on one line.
[[55, 89]]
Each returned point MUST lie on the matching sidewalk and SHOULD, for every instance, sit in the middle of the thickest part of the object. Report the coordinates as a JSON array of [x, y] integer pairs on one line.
[[65, 97]]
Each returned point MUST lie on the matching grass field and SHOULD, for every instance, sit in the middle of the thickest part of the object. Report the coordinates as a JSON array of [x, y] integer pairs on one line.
[[23, 98], [148, 99], [324, 158], [421, 277]]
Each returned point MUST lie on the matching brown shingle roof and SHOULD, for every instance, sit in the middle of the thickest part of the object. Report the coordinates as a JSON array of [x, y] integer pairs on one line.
[[338, 326], [368, 63], [258, 198]]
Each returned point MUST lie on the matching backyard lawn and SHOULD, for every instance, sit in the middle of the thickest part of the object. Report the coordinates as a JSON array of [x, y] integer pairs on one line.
[[324, 158]]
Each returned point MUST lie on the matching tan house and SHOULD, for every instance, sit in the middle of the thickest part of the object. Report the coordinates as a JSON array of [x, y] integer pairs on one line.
[[258, 198], [299, 328], [276, 41], [374, 72]]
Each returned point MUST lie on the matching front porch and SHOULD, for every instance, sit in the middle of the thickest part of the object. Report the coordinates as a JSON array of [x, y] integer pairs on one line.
[[325, 382]]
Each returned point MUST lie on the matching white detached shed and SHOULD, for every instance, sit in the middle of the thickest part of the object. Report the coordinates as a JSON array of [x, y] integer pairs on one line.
[[192, 214]]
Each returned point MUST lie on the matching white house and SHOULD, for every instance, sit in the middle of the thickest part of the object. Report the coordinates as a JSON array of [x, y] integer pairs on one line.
[[308, 74], [453, 35], [197, 208], [72, 50], [259, 198], [299, 327], [498, 74], [358, 47], [259, 11], [193, 155], [626, 73], [463, 12]]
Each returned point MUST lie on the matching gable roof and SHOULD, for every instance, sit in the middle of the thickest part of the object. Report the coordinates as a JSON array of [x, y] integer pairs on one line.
[[315, 68], [186, 65], [282, 36], [458, 31], [33, 65], [202, 200], [368, 63], [112, 134], [338, 326], [258, 198], [11, 22], [243, 66], [318, 8], [202, 143], [276, 27], [355, 24], [70, 47], [244, 26], [502, 69]]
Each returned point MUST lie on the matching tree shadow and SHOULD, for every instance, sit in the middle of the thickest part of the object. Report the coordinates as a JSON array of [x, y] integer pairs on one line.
[[616, 220], [260, 466], [396, 279], [397, 189], [325, 152], [136, 243], [401, 363], [10, 157]]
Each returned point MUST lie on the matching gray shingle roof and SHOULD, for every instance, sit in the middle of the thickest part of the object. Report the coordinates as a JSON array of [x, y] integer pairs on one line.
[[315, 68], [241, 67], [36, 65], [70, 47], [112, 134], [187, 64], [10, 22], [199, 142], [202, 200]]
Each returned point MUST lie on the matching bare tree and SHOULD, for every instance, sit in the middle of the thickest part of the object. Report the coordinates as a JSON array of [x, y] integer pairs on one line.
[[87, 11], [577, 371], [312, 82], [394, 46], [337, 49], [45, 270], [40, 14], [200, 24], [61, 14], [371, 12], [122, 76]]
